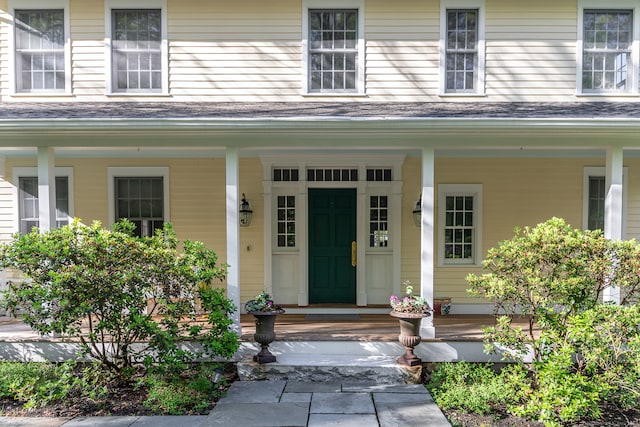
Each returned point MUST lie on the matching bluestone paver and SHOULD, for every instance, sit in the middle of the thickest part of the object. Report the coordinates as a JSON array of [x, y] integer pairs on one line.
[[32, 421], [259, 415], [169, 421], [313, 387], [343, 420], [125, 421], [383, 388], [253, 392], [342, 403], [296, 398]]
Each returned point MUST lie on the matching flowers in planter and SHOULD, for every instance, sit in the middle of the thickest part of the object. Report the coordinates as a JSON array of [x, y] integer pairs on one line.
[[409, 303], [263, 302]]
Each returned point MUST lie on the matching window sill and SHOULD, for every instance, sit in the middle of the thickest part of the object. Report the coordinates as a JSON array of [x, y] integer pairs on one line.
[[608, 95], [138, 95], [462, 95], [42, 95], [459, 265], [334, 95]]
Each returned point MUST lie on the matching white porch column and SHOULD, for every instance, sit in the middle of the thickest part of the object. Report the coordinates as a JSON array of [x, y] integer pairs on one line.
[[427, 237], [46, 189], [233, 235], [613, 206]]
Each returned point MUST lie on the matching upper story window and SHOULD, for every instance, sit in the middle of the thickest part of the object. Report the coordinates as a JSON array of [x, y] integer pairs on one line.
[[137, 64], [608, 62], [40, 44], [138, 45], [333, 47], [606, 58], [462, 37]]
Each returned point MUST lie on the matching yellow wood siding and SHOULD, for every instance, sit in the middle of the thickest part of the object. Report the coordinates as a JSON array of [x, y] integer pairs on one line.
[[516, 192], [197, 203], [87, 49], [252, 51]]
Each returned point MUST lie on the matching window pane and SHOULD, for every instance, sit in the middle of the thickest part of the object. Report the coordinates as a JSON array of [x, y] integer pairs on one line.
[[28, 206], [607, 41], [141, 200], [461, 50], [332, 50], [459, 227], [136, 50], [40, 40]]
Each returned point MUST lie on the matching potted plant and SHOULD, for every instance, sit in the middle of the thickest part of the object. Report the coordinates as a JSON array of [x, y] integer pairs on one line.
[[409, 309], [264, 311]]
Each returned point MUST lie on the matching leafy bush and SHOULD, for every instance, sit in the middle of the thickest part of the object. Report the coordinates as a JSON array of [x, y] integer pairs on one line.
[[181, 394], [586, 353], [547, 274], [126, 298], [477, 387], [40, 384]]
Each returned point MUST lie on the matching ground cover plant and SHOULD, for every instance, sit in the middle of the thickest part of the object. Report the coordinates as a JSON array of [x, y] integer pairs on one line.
[[74, 388], [585, 352]]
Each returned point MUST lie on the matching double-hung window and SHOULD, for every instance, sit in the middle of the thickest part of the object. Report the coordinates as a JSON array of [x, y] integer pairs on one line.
[[28, 198], [594, 195], [608, 61], [137, 48], [40, 46], [459, 224], [333, 47], [462, 40], [141, 196], [606, 58]]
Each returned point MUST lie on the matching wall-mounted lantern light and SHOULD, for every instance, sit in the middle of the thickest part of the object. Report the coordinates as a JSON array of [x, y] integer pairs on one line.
[[417, 212], [245, 212]]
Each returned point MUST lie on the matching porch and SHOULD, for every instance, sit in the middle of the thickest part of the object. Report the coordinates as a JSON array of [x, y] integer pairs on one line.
[[367, 327], [304, 339]]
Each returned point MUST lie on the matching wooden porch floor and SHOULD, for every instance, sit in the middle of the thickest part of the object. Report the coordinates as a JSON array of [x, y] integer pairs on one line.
[[366, 327]]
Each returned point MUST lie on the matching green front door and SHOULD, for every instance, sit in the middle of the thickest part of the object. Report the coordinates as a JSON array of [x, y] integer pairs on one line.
[[332, 232]]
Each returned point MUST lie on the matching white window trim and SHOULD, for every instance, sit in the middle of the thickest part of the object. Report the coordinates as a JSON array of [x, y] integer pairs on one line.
[[19, 172], [109, 5], [590, 171], [39, 5], [635, 47], [474, 190], [480, 75], [333, 4], [116, 172], [284, 191]]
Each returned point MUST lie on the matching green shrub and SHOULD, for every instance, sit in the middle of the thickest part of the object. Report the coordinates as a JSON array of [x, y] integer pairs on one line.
[[40, 384], [477, 387], [586, 354], [191, 392], [125, 289]]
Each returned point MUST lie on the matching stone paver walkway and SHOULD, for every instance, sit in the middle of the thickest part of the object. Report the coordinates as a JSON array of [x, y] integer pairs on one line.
[[287, 403]]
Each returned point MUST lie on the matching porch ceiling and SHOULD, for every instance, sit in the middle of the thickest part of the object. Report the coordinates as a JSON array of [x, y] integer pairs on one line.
[[196, 129]]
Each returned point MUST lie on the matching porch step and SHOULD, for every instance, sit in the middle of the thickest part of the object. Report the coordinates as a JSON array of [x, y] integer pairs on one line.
[[330, 367]]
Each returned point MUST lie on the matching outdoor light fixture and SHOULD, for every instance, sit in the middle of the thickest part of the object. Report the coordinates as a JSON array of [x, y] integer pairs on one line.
[[245, 212], [417, 212]]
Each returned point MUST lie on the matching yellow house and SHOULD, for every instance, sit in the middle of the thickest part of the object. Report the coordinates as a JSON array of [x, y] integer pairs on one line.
[[374, 142]]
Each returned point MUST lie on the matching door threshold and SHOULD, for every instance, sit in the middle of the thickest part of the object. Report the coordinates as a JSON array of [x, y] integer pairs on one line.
[[333, 309]]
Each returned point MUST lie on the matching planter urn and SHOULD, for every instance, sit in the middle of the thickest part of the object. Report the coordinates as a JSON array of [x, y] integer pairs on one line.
[[409, 336], [265, 322]]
